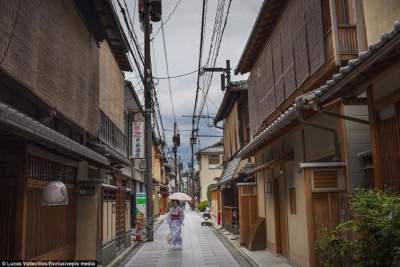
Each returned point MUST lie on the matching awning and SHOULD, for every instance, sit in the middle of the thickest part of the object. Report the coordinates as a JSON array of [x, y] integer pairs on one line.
[[22, 125], [230, 170]]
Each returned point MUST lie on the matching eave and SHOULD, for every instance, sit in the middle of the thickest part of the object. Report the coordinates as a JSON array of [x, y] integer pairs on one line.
[[262, 29], [17, 123], [103, 21], [351, 80], [229, 99]]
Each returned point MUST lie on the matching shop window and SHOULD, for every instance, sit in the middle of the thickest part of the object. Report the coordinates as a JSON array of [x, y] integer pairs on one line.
[[293, 207]]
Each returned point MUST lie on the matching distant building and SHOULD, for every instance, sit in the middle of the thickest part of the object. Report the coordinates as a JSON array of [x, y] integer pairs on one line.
[[209, 160]]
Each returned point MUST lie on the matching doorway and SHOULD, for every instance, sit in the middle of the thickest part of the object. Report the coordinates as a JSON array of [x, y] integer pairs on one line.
[[281, 220]]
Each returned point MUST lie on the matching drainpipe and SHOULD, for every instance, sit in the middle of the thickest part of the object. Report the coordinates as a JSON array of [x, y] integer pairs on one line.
[[334, 133]]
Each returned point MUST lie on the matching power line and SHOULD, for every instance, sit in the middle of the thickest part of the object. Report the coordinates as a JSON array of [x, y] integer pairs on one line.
[[176, 76], [166, 64], [129, 47], [217, 53], [169, 16], [129, 24], [200, 60]]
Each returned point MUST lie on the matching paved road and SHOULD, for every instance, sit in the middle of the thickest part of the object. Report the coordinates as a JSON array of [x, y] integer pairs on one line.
[[201, 247]]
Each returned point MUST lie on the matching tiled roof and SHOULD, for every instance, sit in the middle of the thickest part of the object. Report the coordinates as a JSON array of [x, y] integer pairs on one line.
[[389, 40], [226, 104], [287, 117], [230, 170], [20, 124], [214, 148]]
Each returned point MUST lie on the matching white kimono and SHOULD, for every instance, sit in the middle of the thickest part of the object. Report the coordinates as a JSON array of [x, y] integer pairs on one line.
[[175, 221]]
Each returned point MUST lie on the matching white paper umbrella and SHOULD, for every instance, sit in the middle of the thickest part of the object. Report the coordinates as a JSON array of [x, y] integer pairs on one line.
[[180, 196]]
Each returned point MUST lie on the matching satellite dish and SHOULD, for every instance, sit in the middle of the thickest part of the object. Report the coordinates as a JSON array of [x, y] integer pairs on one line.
[[54, 194]]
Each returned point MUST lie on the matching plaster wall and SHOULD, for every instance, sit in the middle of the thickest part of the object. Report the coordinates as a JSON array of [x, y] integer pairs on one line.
[[111, 87], [87, 226], [358, 140], [380, 17], [207, 175]]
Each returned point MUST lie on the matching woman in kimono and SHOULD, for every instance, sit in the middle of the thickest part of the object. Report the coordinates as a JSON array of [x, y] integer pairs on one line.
[[175, 222]]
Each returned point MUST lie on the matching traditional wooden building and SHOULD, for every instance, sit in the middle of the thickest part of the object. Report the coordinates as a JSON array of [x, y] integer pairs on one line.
[[237, 189], [62, 123], [305, 159], [374, 78], [160, 178]]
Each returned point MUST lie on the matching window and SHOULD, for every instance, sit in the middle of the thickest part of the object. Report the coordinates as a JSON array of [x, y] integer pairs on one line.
[[213, 160], [293, 208]]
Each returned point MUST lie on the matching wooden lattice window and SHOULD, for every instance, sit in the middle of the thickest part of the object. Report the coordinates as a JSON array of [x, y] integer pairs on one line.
[[325, 179], [47, 170], [293, 206], [213, 159]]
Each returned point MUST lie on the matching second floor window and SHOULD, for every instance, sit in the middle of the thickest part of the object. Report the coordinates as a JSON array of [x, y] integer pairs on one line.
[[214, 161]]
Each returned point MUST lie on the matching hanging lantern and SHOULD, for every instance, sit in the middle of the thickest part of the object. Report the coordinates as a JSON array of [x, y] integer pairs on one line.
[[54, 194]]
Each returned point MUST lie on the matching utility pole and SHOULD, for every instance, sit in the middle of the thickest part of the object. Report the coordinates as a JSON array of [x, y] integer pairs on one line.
[[226, 73], [176, 142], [148, 131]]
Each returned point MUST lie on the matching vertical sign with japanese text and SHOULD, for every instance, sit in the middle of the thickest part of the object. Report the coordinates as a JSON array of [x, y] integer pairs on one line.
[[137, 140]]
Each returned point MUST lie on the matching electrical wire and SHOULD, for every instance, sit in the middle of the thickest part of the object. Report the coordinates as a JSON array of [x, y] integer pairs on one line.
[[169, 16], [216, 56], [176, 76], [202, 30], [166, 64]]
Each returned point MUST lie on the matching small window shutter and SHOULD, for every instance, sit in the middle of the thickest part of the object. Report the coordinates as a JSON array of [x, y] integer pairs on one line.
[[325, 179]]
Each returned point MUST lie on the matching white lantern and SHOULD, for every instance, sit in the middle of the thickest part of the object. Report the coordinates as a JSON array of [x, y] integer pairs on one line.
[[55, 193]]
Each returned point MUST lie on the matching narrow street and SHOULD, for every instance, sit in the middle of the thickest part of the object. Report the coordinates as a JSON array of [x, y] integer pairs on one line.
[[278, 121], [201, 247]]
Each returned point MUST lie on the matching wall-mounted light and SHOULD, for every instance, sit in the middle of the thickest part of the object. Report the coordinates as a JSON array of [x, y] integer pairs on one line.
[[269, 187]]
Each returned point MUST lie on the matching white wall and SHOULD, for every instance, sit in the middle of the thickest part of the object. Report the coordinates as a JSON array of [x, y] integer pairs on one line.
[[207, 175]]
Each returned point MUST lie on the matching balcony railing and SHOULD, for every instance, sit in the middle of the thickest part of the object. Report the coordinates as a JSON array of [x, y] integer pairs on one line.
[[111, 135], [347, 39]]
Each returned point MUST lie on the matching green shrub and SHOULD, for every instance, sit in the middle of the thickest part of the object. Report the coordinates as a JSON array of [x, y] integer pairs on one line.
[[202, 206], [371, 238]]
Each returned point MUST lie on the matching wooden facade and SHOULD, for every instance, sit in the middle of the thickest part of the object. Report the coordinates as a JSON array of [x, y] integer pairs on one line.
[[247, 212], [52, 77], [310, 38], [305, 43], [58, 57], [31, 230]]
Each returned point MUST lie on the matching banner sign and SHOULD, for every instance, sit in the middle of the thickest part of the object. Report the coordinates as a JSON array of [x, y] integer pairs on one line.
[[138, 140], [141, 203], [140, 214]]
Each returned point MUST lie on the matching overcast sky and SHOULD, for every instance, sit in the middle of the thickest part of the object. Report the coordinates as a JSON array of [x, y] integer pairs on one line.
[[182, 33]]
